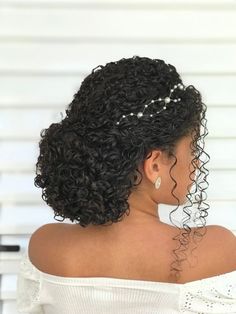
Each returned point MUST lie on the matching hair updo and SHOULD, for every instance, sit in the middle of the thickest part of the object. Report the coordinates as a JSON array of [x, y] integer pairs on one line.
[[88, 165]]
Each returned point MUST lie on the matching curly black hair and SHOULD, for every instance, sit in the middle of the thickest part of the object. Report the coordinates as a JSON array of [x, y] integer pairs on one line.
[[88, 165]]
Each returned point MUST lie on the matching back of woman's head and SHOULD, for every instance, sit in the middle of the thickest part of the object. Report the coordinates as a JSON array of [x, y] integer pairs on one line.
[[88, 164]]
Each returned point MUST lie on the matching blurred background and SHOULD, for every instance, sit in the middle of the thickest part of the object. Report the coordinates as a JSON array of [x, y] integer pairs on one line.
[[47, 47]]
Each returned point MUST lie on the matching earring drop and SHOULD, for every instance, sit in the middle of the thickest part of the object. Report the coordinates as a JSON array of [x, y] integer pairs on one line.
[[158, 182]]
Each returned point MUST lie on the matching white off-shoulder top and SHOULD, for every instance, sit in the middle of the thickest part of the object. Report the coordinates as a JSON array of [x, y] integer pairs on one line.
[[39, 292]]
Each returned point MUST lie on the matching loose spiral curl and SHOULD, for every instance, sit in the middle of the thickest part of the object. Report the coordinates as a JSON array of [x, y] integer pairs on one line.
[[88, 166]]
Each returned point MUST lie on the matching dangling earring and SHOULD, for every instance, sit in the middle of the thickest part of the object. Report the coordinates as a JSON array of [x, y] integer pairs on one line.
[[158, 182]]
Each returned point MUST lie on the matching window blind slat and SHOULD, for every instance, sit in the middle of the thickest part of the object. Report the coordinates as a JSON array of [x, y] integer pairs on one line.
[[57, 23], [65, 58]]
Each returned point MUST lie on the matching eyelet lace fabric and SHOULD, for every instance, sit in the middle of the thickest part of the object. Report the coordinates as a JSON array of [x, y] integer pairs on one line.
[[28, 287], [210, 295]]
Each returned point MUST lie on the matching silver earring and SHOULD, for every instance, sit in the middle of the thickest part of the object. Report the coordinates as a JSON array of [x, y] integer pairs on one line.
[[158, 182]]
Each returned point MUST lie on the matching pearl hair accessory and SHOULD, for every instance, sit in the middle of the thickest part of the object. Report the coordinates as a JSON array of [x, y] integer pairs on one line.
[[166, 100]]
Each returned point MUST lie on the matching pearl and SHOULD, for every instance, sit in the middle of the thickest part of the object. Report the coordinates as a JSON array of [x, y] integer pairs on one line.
[[181, 86], [146, 106], [118, 123], [150, 115], [159, 98], [164, 107], [123, 116], [131, 114], [167, 100], [139, 114], [152, 101], [175, 100]]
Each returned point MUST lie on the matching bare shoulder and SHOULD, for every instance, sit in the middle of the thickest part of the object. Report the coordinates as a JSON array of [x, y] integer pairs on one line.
[[219, 252], [44, 231], [221, 230], [46, 234], [225, 243], [45, 243], [225, 237], [41, 234]]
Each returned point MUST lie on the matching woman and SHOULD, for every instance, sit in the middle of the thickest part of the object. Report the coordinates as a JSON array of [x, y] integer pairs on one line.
[[131, 140]]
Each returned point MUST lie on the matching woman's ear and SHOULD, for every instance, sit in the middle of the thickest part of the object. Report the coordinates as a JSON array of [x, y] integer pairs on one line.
[[152, 165]]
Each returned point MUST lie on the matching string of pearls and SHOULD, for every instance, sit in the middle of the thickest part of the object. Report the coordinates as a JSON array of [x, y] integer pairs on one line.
[[166, 100]]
